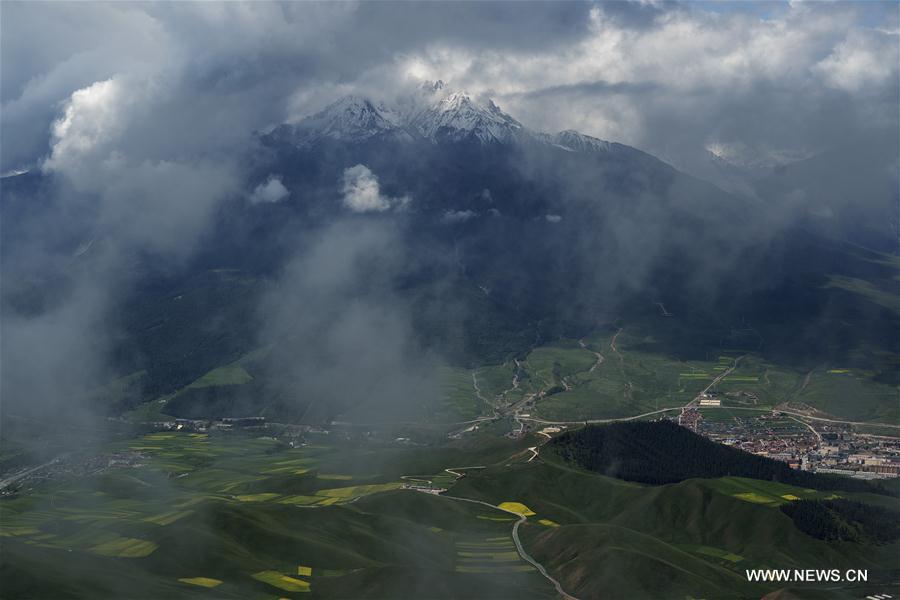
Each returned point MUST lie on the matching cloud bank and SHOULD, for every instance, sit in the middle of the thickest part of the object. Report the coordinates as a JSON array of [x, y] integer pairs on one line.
[[669, 78]]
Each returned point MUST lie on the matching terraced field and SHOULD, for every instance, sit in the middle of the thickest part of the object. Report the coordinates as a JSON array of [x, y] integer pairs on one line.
[[489, 555]]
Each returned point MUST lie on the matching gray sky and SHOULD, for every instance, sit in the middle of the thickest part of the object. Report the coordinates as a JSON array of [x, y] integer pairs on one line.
[[192, 80]]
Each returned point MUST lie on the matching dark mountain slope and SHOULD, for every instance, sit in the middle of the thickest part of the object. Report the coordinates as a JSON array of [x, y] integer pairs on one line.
[[507, 240]]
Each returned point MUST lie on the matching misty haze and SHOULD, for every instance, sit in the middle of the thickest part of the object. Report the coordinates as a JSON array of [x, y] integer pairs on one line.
[[491, 300]]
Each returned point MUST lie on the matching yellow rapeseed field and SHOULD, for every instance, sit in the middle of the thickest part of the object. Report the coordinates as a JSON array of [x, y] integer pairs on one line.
[[516, 507], [207, 582]]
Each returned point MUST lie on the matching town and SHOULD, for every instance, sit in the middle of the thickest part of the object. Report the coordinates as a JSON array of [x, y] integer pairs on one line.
[[807, 444]]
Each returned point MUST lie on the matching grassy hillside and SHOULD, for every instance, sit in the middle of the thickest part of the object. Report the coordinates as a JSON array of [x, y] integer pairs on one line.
[[693, 539]]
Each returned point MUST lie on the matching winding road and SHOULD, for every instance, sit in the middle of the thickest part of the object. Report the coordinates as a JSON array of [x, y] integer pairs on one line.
[[515, 531], [456, 471], [519, 548]]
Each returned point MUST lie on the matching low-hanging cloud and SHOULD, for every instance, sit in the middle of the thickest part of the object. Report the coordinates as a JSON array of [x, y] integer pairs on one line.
[[106, 200], [53, 359], [451, 217], [362, 192], [270, 191], [342, 335], [91, 117]]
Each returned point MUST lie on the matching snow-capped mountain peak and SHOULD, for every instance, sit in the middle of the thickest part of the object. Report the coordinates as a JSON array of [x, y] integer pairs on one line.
[[458, 116], [354, 116]]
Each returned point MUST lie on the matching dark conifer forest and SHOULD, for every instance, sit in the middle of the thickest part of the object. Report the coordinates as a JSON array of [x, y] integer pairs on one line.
[[844, 520]]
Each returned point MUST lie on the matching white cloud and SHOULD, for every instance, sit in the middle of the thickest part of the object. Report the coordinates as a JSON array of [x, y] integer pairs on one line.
[[91, 117], [553, 218], [457, 216], [865, 59], [362, 193], [139, 202], [272, 190], [691, 75]]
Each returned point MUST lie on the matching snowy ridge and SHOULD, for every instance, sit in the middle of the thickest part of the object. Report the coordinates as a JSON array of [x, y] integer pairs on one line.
[[579, 142]]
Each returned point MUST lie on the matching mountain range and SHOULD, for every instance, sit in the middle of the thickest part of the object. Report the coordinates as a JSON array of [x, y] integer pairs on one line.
[[433, 114]]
